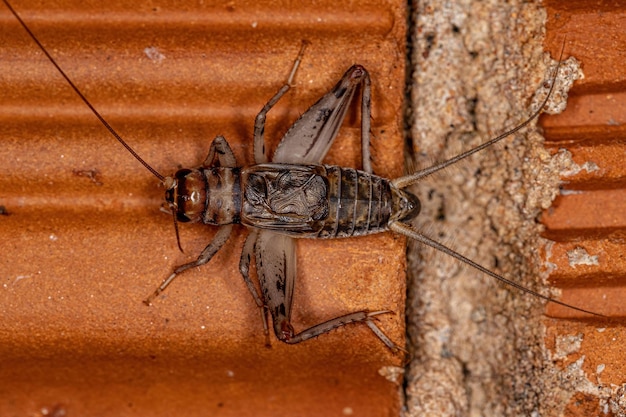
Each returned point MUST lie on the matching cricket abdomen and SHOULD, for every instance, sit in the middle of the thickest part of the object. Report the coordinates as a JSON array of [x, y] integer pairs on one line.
[[362, 204], [321, 201]]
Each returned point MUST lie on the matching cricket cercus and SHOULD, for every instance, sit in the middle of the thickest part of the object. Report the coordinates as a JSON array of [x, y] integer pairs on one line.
[[294, 195]]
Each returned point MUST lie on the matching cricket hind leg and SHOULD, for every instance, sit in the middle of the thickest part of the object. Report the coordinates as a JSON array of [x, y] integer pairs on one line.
[[366, 122], [309, 138], [364, 316], [260, 152], [244, 268], [223, 233], [276, 270]]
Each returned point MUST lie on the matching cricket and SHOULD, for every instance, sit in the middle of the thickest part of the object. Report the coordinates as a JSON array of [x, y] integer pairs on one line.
[[291, 194]]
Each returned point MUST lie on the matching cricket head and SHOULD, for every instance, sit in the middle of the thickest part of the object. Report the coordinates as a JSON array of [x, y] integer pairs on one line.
[[404, 205], [185, 195]]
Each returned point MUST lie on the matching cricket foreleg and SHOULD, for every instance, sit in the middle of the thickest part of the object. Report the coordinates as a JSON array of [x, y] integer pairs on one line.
[[244, 267], [220, 149], [287, 335], [218, 241], [260, 153]]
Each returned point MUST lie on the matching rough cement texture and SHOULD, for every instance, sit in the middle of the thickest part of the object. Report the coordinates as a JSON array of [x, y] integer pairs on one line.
[[478, 345]]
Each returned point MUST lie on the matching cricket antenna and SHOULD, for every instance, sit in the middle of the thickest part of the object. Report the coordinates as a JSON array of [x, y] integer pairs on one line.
[[411, 179], [410, 232], [83, 98]]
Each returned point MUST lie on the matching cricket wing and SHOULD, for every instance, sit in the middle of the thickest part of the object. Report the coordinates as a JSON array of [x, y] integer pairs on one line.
[[310, 137], [276, 269]]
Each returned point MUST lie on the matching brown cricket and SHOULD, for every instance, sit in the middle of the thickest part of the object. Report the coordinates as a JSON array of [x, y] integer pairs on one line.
[[294, 195]]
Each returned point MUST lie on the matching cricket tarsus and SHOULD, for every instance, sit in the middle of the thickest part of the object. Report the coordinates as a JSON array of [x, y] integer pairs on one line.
[[357, 317], [296, 196]]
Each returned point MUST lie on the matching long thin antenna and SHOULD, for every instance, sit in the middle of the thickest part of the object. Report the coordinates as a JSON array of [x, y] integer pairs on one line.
[[411, 179], [82, 97], [408, 231]]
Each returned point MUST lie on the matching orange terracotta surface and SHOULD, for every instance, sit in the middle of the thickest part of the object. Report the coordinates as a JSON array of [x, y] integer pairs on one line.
[[588, 222], [83, 240]]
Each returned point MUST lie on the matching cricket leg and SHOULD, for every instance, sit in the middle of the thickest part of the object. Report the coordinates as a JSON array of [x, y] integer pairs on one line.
[[260, 153], [366, 120], [276, 268], [310, 137], [325, 327], [244, 267], [223, 233], [221, 150]]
